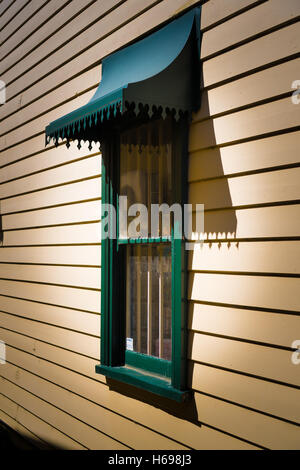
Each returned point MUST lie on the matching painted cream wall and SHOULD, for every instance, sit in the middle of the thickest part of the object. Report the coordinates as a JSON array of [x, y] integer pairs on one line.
[[244, 281]]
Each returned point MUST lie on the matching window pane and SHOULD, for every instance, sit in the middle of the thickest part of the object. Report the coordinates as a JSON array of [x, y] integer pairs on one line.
[[145, 167], [148, 302]]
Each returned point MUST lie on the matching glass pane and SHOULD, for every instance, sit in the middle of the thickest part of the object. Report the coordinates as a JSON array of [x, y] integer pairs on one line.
[[137, 297], [145, 167], [148, 302]]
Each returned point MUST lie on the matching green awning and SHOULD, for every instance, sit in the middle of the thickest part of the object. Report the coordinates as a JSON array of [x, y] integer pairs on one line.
[[156, 75]]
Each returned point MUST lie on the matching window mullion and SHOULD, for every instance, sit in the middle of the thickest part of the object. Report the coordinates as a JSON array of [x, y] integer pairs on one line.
[[128, 294], [149, 302], [149, 270], [160, 307], [139, 298]]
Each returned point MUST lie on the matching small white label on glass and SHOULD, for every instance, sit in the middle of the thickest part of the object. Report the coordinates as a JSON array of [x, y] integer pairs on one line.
[[129, 344]]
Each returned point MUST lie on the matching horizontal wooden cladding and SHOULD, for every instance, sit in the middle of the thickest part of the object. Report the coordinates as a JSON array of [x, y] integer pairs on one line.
[[210, 14], [259, 52], [248, 324], [82, 21], [72, 255], [69, 234], [262, 291], [250, 23], [38, 125], [29, 441], [90, 389], [72, 171], [74, 428], [33, 146], [48, 354], [253, 257], [18, 111], [263, 119], [41, 157], [63, 338], [73, 213], [216, 11], [261, 361], [10, 13], [268, 432], [260, 222], [264, 188], [250, 156], [63, 275], [57, 55], [4, 5], [52, 15], [10, 407], [63, 296], [15, 28], [187, 433], [75, 320], [24, 422], [57, 33], [248, 90], [100, 419], [261, 395], [84, 190], [46, 159]]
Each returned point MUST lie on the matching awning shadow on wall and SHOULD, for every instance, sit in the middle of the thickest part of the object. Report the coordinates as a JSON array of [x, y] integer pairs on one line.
[[207, 184]]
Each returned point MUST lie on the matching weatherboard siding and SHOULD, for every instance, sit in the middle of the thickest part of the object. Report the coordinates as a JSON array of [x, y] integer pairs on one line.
[[243, 281]]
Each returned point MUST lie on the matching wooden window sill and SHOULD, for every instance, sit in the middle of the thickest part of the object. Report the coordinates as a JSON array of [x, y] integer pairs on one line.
[[140, 379]]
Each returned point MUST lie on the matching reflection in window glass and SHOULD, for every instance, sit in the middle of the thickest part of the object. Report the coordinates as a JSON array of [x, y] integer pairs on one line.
[[148, 299], [145, 167]]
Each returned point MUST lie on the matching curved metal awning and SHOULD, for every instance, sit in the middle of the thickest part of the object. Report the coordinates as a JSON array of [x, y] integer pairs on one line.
[[158, 74]]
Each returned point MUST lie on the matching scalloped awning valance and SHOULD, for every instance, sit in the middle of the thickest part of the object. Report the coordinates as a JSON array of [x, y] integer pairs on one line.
[[158, 74]]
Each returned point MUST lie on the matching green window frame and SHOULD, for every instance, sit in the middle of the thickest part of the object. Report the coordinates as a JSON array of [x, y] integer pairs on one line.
[[159, 376]]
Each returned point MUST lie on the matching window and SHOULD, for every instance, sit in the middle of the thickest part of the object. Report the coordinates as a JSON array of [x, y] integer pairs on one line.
[[146, 178], [143, 266]]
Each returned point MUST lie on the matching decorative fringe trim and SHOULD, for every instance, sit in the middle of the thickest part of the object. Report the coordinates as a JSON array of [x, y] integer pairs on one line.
[[81, 128]]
